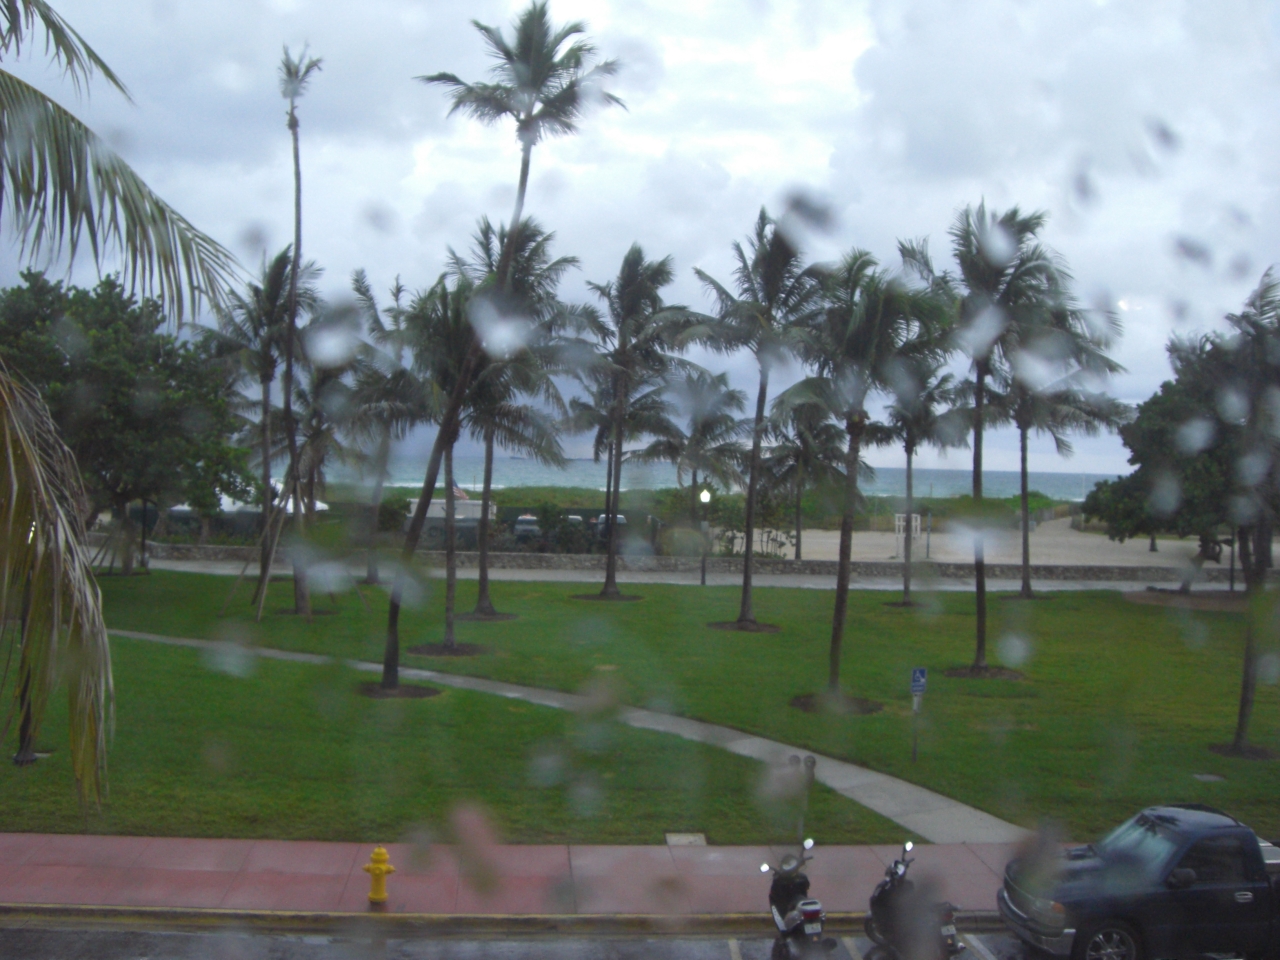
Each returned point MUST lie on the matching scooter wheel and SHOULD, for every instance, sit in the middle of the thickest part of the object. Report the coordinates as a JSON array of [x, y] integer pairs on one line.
[[872, 931], [780, 951]]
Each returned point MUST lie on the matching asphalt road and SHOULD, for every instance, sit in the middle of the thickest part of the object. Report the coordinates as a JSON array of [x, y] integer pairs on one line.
[[53, 944]]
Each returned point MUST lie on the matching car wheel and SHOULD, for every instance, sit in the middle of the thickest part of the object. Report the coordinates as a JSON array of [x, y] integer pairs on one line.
[[1112, 940]]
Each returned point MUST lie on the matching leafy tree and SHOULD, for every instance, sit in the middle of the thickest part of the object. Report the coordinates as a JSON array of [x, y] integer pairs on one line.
[[60, 182], [535, 75], [773, 292], [147, 417]]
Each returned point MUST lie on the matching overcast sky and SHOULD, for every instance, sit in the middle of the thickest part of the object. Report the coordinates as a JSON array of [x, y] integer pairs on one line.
[[1146, 128]]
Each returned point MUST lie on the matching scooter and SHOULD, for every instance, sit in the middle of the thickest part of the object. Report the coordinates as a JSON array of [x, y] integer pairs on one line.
[[904, 925], [799, 918]]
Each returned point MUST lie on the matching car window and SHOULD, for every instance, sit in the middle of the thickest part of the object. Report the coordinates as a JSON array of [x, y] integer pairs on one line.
[[1140, 839], [1216, 860]]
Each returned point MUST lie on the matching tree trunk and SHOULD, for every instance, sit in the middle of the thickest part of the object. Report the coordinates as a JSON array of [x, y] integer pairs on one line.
[[301, 593], [267, 498], [854, 429], [608, 485], [125, 535], [1152, 548], [979, 554], [383, 457], [450, 551], [26, 754], [906, 540], [484, 605], [746, 615], [1252, 563], [610, 588], [693, 499], [799, 496], [1026, 517]]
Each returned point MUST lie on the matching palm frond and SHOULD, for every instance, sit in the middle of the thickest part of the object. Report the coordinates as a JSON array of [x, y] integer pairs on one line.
[[61, 42]]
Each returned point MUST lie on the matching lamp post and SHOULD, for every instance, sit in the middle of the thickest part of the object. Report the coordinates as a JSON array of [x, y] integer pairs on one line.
[[705, 497]]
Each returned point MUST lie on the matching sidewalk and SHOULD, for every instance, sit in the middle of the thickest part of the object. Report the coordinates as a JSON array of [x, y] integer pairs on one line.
[[279, 875]]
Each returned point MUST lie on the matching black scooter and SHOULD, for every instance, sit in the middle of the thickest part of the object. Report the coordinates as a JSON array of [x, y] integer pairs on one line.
[[799, 918], [906, 926]]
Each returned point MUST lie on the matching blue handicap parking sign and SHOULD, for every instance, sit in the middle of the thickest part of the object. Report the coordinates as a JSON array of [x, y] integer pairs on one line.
[[919, 676]]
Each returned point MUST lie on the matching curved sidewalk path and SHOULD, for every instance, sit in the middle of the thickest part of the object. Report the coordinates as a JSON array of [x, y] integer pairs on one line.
[[929, 815]]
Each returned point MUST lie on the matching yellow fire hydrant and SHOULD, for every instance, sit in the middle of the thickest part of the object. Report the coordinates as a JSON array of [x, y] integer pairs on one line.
[[378, 868]]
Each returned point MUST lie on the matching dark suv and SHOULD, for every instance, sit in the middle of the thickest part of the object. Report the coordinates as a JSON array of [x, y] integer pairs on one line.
[[1173, 882]]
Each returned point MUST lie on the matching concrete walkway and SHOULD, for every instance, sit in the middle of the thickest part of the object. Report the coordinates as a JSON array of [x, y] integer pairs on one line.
[[309, 877], [929, 815]]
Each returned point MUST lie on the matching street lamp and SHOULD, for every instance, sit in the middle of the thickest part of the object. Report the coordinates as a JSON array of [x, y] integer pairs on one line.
[[705, 497]]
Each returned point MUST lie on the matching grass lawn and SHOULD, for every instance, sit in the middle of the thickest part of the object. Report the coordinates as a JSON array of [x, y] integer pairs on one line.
[[1119, 704], [292, 751]]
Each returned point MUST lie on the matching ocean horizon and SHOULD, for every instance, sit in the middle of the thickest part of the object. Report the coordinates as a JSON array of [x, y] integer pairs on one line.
[[888, 481]]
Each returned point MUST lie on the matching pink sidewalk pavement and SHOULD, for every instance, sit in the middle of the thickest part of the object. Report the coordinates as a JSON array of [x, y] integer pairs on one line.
[[280, 875]]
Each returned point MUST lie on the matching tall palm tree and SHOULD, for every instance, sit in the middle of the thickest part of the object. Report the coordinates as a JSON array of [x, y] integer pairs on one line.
[[924, 411], [808, 448], [295, 74], [50, 606], [60, 183], [711, 443], [551, 86], [774, 292], [636, 350], [870, 324]]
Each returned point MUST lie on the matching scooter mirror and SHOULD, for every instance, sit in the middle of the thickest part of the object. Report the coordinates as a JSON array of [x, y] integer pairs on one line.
[[908, 846], [764, 868], [808, 844]]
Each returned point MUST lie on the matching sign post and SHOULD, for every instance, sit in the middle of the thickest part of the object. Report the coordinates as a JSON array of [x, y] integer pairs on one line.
[[919, 678]]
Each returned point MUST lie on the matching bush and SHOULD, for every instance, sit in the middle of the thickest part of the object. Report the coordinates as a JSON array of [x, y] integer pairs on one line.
[[392, 513]]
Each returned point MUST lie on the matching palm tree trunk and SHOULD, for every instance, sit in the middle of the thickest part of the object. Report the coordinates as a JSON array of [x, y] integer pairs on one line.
[[611, 518], [746, 616], [1252, 564], [799, 496], [906, 540], [267, 499], [508, 250], [484, 605], [301, 594], [693, 498], [608, 481], [383, 456], [450, 551], [1026, 518], [979, 556], [846, 550]]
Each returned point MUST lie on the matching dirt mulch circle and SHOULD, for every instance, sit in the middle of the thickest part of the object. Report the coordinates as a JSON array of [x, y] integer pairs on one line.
[[1220, 601], [617, 597], [842, 704], [440, 650], [901, 605], [1247, 752], [984, 673], [290, 612], [748, 627], [474, 617], [406, 691]]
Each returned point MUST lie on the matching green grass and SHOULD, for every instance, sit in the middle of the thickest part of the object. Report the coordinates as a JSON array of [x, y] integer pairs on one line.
[[1119, 704], [292, 751]]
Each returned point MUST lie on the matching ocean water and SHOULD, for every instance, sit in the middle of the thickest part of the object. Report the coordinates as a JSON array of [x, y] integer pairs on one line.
[[889, 481]]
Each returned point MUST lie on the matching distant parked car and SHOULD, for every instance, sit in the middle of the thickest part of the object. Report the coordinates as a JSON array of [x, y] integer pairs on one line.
[[1183, 881], [526, 527]]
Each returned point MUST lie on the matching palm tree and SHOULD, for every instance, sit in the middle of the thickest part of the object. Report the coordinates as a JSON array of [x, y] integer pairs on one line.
[[712, 442], [808, 448], [636, 344], [1009, 281], [503, 375], [541, 80], [923, 411], [869, 326], [59, 182], [774, 293], [50, 605], [544, 90], [294, 77], [388, 399]]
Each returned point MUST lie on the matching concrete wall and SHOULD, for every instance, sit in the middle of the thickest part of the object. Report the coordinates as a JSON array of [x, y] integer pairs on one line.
[[925, 570]]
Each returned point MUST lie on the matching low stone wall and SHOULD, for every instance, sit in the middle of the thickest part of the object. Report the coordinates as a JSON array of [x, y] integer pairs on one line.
[[862, 569]]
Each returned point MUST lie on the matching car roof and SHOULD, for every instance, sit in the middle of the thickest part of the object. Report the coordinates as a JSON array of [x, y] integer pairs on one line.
[[1191, 817]]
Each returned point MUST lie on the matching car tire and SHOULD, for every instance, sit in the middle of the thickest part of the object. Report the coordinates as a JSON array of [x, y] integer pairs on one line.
[[1109, 940]]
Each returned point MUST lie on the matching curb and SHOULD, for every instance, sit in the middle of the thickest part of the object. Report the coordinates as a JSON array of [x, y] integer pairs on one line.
[[438, 926]]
